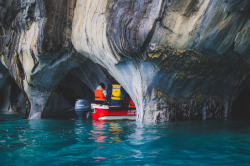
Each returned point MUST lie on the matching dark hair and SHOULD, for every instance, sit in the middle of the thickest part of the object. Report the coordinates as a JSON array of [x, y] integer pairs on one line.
[[114, 82], [102, 85]]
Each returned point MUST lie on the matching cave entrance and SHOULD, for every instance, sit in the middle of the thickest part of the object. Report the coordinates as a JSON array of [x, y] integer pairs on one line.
[[12, 97], [241, 105], [62, 100], [79, 83]]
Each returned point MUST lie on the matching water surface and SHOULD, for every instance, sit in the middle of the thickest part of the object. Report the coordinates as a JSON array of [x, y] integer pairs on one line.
[[78, 142]]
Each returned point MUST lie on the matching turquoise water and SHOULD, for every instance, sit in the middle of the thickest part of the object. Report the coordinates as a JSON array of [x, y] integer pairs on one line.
[[77, 142]]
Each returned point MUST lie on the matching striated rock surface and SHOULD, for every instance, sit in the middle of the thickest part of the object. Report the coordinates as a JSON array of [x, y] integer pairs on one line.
[[176, 59]]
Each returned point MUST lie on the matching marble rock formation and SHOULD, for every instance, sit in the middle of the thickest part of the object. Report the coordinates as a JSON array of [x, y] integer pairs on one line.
[[35, 46], [176, 59]]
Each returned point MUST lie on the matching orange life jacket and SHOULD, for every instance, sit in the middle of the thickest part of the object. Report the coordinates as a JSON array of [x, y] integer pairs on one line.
[[99, 95]]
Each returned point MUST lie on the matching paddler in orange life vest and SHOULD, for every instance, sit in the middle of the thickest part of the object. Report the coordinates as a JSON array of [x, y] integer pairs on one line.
[[100, 94], [116, 95]]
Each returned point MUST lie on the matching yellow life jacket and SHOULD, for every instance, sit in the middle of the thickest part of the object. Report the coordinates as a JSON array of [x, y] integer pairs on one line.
[[116, 92]]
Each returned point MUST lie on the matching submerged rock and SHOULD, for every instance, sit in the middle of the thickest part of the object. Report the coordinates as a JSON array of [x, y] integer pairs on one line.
[[176, 59]]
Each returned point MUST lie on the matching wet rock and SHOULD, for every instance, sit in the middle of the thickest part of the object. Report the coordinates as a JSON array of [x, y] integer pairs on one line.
[[176, 59], [37, 47], [188, 48]]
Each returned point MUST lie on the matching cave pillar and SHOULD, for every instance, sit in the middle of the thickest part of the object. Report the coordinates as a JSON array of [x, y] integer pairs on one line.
[[38, 100]]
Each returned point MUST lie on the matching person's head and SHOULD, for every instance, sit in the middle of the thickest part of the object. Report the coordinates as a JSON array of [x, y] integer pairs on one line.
[[114, 82], [102, 85]]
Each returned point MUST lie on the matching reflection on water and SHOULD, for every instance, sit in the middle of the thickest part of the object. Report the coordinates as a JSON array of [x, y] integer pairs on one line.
[[115, 132], [97, 133], [79, 142], [110, 131]]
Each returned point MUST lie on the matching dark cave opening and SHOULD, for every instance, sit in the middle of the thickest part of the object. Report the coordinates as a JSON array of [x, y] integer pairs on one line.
[[241, 105], [17, 98], [62, 100], [11, 97], [79, 83], [2, 100]]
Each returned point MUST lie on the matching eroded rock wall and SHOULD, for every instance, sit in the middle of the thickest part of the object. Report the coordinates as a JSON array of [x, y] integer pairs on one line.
[[36, 46], [176, 59]]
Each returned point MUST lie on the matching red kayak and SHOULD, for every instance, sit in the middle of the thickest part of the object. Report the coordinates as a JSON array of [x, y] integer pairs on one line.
[[105, 112]]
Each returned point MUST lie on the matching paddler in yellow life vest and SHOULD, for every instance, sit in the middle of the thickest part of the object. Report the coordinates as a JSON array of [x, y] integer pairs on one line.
[[116, 95], [100, 94]]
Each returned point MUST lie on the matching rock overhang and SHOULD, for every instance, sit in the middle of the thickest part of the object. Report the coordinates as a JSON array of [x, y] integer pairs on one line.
[[160, 51]]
